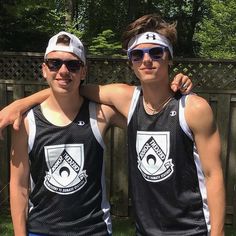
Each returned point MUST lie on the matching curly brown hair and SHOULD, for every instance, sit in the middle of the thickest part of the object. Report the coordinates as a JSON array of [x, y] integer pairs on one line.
[[150, 22]]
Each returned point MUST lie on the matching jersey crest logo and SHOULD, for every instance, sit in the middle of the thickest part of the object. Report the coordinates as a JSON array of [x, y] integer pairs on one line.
[[65, 168], [153, 155]]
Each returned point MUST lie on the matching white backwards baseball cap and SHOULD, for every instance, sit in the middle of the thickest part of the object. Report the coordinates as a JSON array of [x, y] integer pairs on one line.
[[150, 37], [75, 46]]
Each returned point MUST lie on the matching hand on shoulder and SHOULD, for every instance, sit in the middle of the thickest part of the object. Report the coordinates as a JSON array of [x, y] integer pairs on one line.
[[182, 83]]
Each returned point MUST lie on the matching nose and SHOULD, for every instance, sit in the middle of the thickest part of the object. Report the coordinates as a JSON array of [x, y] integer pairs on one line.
[[63, 69], [146, 57]]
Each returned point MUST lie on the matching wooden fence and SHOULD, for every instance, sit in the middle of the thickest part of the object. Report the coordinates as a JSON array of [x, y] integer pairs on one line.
[[219, 91]]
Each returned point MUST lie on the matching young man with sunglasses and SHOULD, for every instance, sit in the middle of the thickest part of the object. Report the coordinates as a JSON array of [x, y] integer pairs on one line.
[[106, 115], [177, 185], [58, 150]]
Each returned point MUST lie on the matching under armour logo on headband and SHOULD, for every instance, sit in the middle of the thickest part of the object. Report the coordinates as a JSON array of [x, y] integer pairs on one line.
[[151, 36]]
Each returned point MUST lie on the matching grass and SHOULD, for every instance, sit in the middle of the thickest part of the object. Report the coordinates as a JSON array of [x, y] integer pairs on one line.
[[122, 226], [230, 231], [5, 222]]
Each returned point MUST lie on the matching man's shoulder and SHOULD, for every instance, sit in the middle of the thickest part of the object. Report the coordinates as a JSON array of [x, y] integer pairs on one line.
[[196, 102], [198, 111]]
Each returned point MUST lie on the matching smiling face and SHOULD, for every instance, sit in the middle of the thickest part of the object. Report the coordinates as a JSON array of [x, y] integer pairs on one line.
[[65, 78], [149, 68]]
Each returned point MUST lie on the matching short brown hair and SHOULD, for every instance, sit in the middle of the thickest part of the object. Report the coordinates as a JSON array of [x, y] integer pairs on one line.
[[150, 22]]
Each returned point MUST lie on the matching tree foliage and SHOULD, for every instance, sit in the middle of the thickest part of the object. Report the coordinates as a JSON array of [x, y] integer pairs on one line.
[[27, 25], [104, 44], [216, 34], [202, 25]]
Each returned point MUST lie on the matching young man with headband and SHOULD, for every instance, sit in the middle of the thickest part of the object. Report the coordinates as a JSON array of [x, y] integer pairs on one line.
[[177, 185]]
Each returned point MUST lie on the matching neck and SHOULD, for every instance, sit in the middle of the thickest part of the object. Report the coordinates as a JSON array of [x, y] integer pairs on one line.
[[61, 109], [156, 98], [64, 102]]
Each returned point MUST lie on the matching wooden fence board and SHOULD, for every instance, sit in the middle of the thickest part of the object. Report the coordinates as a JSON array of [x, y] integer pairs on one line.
[[4, 153], [205, 96], [119, 170], [18, 91], [107, 159], [223, 118], [222, 108], [231, 167], [223, 103]]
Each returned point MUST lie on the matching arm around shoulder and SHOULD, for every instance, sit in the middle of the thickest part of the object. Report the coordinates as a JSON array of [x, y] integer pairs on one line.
[[118, 95]]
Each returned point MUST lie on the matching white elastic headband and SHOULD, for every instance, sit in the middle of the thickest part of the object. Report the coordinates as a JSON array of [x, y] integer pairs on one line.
[[150, 37]]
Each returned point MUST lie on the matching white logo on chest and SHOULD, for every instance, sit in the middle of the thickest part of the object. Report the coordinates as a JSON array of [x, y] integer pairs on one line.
[[153, 153], [65, 168]]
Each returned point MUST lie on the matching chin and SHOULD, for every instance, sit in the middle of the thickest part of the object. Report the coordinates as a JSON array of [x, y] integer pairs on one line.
[[149, 79], [61, 90]]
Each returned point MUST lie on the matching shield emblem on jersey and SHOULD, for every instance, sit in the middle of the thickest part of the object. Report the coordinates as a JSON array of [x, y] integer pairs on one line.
[[65, 168], [153, 155]]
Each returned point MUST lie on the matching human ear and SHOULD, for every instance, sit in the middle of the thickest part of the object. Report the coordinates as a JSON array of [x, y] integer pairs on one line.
[[44, 70], [83, 72]]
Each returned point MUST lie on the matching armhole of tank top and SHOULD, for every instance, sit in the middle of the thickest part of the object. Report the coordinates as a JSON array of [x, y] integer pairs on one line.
[[134, 101], [32, 129], [94, 124], [182, 120]]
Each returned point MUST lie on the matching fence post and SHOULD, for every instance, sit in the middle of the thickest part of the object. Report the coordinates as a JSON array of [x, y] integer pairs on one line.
[[4, 154], [119, 169]]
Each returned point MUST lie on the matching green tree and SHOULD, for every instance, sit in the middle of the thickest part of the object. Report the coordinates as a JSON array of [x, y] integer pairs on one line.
[[26, 25], [104, 44], [115, 15], [186, 13], [216, 34]]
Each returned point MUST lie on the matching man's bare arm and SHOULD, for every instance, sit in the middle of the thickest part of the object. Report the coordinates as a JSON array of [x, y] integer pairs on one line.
[[200, 119], [12, 114], [19, 180], [119, 95]]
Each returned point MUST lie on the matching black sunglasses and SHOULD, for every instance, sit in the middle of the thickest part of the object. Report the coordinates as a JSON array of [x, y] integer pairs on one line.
[[155, 53], [55, 64]]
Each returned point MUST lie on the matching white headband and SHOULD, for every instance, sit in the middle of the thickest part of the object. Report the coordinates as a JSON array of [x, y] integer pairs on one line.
[[150, 37]]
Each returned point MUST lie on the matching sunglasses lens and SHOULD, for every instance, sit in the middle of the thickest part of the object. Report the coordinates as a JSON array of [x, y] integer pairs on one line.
[[136, 55], [55, 64], [73, 65], [156, 53]]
